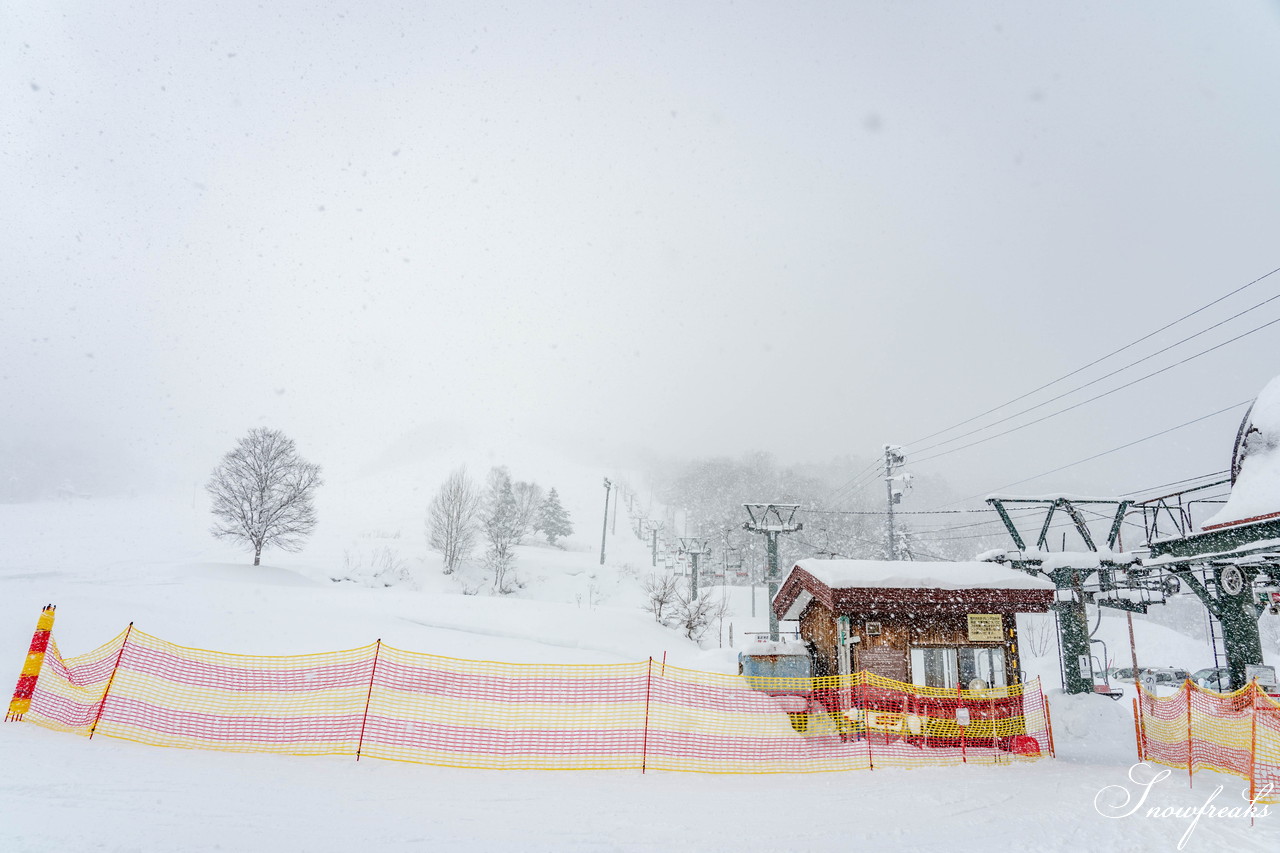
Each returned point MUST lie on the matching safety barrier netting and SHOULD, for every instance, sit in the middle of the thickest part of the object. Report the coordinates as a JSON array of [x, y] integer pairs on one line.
[[1197, 728], [388, 703]]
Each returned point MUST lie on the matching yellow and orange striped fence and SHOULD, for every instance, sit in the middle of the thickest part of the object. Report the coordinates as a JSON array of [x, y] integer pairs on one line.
[[1197, 728], [388, 703]]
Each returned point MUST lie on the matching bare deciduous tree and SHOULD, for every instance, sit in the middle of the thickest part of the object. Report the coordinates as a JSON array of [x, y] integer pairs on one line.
[[1037, 634], [262, 493], [694, 617], [661, 592], [381, 567], [452, 518]]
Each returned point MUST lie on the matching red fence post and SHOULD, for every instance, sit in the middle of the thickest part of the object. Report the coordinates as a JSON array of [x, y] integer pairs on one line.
[[368, 696], [103, 704], [644, 742], [1186, 686]]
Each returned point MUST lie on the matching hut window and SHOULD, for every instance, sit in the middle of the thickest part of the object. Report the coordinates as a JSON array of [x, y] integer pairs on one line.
[[969, 667], [982, 663], [934, 667]]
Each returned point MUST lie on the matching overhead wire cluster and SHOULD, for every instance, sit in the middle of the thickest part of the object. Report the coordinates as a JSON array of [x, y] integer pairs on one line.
[[983, 433]]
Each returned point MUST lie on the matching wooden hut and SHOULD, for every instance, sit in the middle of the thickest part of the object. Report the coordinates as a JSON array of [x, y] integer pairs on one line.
[[937, 624]]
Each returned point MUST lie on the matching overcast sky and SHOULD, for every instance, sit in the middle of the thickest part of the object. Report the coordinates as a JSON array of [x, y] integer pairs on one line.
[[697, 227]]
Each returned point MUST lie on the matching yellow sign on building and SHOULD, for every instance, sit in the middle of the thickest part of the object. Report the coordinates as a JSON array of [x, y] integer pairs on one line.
[[985, 628]]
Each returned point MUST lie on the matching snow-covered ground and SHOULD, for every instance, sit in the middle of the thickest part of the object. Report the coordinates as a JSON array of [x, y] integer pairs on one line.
[[106, 562]]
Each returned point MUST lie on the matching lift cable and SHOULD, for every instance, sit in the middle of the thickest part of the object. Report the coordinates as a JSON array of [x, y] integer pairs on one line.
[[1127, 346], [1108, 376], [1103, 453], [1096, 397]]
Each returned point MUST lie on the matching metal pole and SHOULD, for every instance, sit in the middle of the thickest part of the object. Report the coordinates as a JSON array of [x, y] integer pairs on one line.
[[771, 537], [605, 529], [888, 483], [614, 525], [753, 592], [1133, 648], [377, 650], [693, 576], [655, 547], [110, 680]]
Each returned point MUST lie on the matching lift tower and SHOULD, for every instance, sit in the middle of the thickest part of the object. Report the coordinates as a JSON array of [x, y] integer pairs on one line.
[[772, 520]]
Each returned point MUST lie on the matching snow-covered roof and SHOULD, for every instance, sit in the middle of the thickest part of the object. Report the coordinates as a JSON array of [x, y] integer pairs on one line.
[[1256, 491], [845, 574]]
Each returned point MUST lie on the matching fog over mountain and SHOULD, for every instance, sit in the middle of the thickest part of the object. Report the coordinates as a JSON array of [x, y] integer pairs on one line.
[[648, 228]]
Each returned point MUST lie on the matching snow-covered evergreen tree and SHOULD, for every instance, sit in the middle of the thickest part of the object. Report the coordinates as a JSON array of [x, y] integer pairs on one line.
[[553, 519], [502, 530]]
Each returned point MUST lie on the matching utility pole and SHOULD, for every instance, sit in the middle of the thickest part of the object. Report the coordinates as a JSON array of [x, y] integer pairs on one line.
[[695, 548], [772, 520], [605, 530], [614, 525], [893, 460]]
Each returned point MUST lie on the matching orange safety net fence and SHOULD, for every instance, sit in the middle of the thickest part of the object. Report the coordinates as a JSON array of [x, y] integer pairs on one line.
[[1197, 728], [393, 704]]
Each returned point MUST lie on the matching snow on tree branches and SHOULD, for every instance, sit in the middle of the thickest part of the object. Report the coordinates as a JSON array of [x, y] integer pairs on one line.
[[553, 519], [452, 519], [262, 493], [503, 528]]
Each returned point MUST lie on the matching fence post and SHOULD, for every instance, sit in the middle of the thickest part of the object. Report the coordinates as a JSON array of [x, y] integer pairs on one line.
[[1253, 739], [1048, 722], [377, 649], [103, 704], [866, 717], [644, 742], [1142, 716], [29, 675], [1186, 687], [1137, 731]]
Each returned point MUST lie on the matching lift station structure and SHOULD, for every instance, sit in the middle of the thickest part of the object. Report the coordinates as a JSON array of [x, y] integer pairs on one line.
[[1225, 552]]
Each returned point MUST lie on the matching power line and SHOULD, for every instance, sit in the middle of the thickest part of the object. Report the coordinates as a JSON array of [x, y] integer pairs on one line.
[[858, 479], [885, 512], [1100, 359], [1106, 452], [1175, 483], [1116, 371], [1097, 397], [1016, 515]]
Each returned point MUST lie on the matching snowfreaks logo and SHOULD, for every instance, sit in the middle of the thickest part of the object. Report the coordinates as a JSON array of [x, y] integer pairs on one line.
[[1118, 801]]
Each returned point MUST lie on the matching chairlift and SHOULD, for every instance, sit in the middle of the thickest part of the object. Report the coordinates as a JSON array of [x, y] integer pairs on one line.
[[1102, 676]]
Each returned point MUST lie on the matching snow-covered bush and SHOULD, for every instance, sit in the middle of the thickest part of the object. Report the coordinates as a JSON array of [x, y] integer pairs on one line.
[[381, 566]]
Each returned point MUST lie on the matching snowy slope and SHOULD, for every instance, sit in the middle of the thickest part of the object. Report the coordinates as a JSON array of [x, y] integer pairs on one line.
[[106, 563]]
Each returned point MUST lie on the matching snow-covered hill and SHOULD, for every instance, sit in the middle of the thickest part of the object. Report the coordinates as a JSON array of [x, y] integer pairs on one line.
[[151, 561]]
